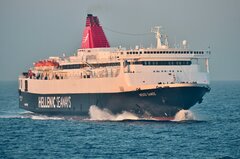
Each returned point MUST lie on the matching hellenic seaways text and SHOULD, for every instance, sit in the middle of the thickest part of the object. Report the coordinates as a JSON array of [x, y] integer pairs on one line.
[[54, 102]]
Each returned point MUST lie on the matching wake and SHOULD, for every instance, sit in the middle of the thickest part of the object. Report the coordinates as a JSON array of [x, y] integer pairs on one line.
[[97, 114]]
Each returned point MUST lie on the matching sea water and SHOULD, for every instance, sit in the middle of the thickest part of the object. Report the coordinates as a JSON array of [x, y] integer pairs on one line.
[[208, 130]]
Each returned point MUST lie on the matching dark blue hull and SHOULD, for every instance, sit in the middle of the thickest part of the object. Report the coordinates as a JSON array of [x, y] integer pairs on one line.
[[160, 102]]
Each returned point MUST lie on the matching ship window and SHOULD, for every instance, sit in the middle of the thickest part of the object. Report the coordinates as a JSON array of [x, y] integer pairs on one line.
[[154, 52], [73, 66], [140, 52], [26, 85], [163, 62]]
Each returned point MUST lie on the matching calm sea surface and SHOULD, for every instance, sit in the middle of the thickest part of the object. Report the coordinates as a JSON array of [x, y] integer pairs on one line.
[[215, 132]]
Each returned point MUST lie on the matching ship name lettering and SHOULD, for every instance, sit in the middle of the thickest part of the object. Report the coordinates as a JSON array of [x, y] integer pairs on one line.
[[54, 102], [147, 94]]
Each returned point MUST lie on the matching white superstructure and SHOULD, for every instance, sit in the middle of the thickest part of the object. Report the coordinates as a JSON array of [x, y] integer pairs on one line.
[[115, 70]]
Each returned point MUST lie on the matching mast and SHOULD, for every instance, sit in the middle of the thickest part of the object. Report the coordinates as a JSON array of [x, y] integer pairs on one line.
[[158, 36], [156, 30]]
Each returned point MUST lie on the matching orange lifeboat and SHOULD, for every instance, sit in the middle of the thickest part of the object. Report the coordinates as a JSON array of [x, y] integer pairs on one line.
[[38, 64], [46, 64]]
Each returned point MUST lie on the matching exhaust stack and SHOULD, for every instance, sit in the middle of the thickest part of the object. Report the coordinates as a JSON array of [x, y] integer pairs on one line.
[[93, 35]]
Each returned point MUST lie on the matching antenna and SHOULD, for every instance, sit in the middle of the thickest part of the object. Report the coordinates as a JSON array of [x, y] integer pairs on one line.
[[166, 40]]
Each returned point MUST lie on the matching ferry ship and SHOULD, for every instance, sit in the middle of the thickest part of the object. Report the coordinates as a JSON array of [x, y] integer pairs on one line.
[[149, 82]]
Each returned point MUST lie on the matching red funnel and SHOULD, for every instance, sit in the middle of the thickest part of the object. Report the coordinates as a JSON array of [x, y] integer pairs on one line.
[[93, 35]]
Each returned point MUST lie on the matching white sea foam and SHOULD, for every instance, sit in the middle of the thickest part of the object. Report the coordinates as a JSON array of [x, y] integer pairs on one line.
[[10, 116], [43, 117], [96, 113], [184, 115]]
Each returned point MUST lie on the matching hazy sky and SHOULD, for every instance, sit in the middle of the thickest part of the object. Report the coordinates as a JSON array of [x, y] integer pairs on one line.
[[31, 30]]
